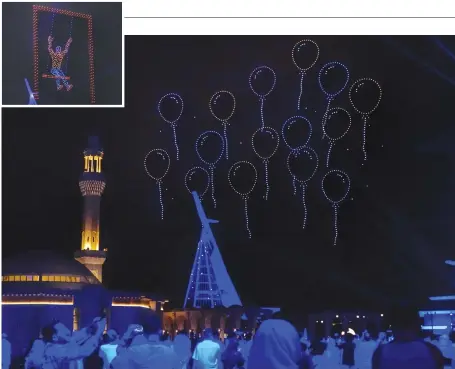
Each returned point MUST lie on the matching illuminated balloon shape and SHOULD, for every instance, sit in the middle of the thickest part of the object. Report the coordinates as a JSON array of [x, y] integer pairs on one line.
[[262, 82], [170, 108], [365, 95], [336, 186], [303, 164], [222, 107], [337, 124], [296, 132], [157, 163], [197, 179], [210, 149], [305, 54], [265, 142], [333, 79], [242, 178]]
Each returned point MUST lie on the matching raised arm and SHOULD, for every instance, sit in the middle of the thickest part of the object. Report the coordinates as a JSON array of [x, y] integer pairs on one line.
[[67, 45], [49, 45]]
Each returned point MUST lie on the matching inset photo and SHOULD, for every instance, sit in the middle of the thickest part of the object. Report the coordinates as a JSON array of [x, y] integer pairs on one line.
[[62, 53]]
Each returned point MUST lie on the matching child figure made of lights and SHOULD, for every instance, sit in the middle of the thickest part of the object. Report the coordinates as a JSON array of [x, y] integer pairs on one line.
[[170, 108], [237, 170], [365, 95], [340, 180], [305, 54], [57, 55], [291, 124], [210, 149], [337, 124], [333, 79], [266, 153], [161, 157], [262, 83], [222, 107], [303, 164]]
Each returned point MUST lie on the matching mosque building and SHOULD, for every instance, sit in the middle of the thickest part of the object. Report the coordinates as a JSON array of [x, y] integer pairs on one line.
[[39, 286]]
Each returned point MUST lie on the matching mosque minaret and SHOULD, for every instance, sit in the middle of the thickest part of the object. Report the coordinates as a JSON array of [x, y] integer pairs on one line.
[[92, 184]]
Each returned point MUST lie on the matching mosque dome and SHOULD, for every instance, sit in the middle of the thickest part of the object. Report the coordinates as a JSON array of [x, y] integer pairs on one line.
[[45, 268]]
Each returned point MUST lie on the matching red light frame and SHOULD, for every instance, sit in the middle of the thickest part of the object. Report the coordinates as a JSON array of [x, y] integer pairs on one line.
[[36, 75]]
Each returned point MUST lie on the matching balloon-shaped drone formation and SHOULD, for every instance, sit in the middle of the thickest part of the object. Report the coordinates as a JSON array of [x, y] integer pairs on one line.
[[242, 178], [305, 54], [333, 79], [296, 133], [335, 186], [303, 164], [265, 142], [157, 163], [210, 149], [365, 95], [222, 107], [197, 179], [262, 82], [170, 108], [337, 124]]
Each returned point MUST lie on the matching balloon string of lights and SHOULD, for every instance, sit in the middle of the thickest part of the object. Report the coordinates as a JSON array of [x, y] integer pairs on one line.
[[305, 210], [365, 108], [294, 185], [302, 76], [324, 118], [312, 156], [343, 181], [257, 74], [304, 48], [329, 91], [244, 193], [266, 178], [211, 163], [177, 102], [335, 113], [266, 156], [223, 116], [158, 177], [247, 222], [212, 184]]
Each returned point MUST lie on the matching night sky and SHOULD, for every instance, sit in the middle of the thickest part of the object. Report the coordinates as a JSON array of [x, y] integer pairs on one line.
[[396, 226]]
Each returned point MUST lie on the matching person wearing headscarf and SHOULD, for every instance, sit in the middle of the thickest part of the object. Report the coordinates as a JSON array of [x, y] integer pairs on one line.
[[207, 354], [6, 352], [108, 350], [232, 357], [142, 348], [182, 348], [275, 346]]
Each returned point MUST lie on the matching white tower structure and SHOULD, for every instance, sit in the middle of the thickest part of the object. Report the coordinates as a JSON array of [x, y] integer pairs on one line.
[[210, 284]]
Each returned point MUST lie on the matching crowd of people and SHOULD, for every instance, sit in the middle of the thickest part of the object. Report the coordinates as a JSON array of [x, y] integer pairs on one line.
[[276, 345]]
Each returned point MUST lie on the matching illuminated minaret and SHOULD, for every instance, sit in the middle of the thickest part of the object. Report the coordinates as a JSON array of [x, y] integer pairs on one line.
[[92, 184]]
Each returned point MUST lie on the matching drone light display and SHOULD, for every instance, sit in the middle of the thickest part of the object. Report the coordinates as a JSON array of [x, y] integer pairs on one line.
[[242, 178], [157, 163], [222, 107], [305, 54], [210, 149], [170, 108], [337, 124], [262, 82], [296, 133], [333, 79], [336, 186], [365, 95], [303, 164], [265, 142], [197, 179]]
